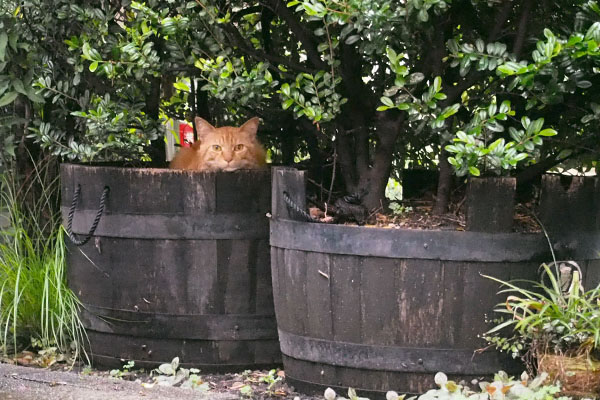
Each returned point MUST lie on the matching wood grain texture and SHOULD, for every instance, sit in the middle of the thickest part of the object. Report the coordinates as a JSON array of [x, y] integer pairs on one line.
[[569, 203], [154, 292], [490, 204], [346, 298], [318, 296], [293, 182], [294, 274], [387, 309], [384, 318]]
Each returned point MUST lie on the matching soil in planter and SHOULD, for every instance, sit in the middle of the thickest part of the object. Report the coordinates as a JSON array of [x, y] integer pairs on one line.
[[417, 214]]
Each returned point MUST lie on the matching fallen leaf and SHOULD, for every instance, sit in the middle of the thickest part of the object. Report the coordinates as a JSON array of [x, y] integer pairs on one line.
[[316, 212], [23, 361], [237, 386]]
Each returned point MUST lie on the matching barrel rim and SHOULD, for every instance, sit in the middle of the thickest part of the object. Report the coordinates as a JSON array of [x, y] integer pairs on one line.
[[168, 170], [429, 244]]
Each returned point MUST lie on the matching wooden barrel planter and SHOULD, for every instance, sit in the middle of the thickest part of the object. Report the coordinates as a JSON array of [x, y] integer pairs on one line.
[[178, 266], [385, 309]]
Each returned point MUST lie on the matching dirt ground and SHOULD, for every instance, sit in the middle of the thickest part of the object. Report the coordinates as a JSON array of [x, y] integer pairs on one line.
[[30, 383]]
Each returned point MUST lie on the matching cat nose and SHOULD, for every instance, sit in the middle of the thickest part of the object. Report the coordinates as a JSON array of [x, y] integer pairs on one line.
[[228, 157]]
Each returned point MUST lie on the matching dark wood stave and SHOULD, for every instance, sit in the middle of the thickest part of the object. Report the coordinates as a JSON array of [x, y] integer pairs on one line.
[[179, 266], [385, 309]]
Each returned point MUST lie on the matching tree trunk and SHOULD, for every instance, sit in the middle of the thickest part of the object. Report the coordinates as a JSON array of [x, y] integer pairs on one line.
[[388, 126], [288, 146], [444, 185], [371, 179]]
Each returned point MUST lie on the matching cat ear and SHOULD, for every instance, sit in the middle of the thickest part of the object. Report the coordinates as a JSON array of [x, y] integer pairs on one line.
[[196, 144], [202, 127], [251, 126]]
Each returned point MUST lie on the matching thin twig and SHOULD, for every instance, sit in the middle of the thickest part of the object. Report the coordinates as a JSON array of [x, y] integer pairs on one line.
[[459, 205], [332, 174], [318, 185], [375, 212], [46, 382]]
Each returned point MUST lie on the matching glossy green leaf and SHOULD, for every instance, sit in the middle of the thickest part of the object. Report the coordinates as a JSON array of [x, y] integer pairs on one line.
[[8, 98], [3, 43], [387, 101], [287, 104], [547, 132]]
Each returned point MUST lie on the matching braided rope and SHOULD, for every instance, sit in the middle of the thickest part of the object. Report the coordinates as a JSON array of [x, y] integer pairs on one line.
[[81, 242], [292, 205]]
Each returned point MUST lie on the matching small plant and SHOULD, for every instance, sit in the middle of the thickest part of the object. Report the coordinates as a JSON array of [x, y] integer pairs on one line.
[[271, 379], [331, 395], [555, 325], [171, 374], [399, 209], [560, 318], [124, 371], [49, 356], [246, 391], [503, 387]]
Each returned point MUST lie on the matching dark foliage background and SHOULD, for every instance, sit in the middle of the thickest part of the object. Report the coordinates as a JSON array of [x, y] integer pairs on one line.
[[362, 87]]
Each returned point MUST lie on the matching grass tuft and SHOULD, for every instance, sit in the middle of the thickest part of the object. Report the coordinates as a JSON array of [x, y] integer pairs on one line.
[[36, 306]]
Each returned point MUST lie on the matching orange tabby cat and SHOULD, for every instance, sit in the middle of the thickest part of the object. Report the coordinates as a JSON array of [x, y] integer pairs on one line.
[[227, 148]]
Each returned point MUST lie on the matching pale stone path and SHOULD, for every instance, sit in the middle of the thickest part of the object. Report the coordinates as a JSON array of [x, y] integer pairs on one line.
[[23, 383]]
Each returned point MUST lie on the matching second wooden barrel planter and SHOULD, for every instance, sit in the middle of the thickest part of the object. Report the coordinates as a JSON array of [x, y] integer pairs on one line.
[[178, 266], [385, 309]]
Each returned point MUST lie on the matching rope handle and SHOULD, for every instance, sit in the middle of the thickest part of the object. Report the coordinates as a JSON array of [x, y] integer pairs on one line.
[[295, 207], [74, 240]]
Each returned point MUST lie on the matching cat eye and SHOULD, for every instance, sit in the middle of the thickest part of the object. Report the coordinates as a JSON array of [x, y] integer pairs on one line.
[[216, 147], [239, 147]]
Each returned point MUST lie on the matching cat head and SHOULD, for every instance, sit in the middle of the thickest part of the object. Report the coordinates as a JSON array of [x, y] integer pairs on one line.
[[228, 148]]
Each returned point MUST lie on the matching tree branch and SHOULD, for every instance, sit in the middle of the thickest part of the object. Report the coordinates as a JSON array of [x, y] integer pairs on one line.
[[238, 40], [499, 21], [236, 16], [522, 30], [306, 37], [266, 17]]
